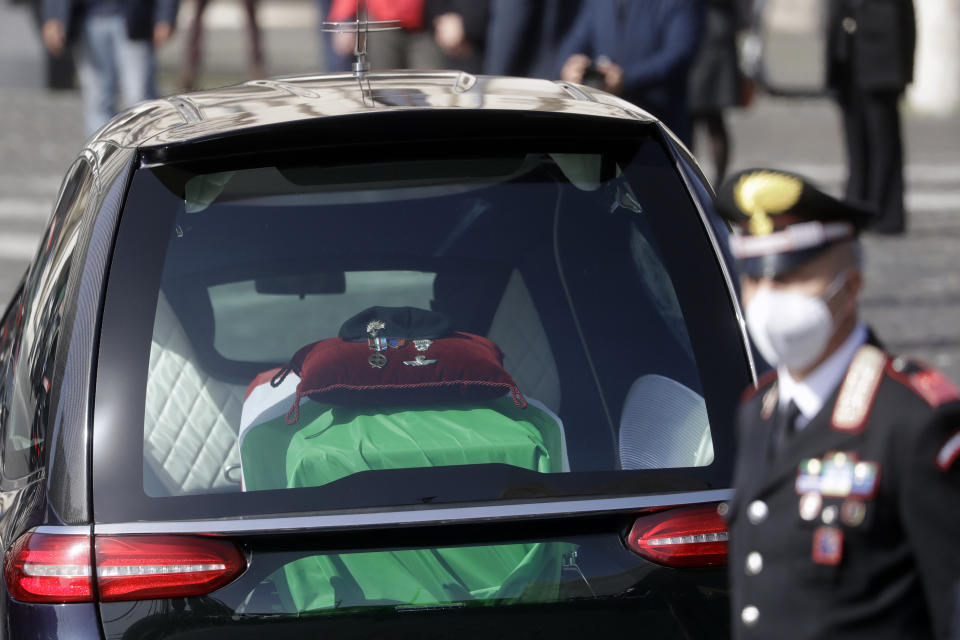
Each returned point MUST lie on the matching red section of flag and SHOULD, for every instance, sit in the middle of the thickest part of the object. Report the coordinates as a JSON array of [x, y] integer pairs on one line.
[[262, 378]]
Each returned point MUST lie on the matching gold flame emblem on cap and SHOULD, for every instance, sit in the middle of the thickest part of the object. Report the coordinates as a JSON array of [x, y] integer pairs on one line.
[[762, 194]]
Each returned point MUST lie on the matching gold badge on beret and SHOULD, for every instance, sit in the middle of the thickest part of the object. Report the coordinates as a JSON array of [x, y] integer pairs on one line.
[[762, 194]]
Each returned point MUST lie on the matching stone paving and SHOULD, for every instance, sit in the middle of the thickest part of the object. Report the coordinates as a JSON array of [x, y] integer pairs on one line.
[[913, 282]]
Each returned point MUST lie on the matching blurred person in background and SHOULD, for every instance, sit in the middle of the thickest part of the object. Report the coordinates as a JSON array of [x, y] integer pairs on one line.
[[525, 36], [412, 46], [58, 70], [716, 83], [870, 54], [460, 30], [195, 44], [333, 61], [844, 521], [640, 50], [114, 44]]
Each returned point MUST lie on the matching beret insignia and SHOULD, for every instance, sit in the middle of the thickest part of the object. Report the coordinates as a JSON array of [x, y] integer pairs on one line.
[[764, 193]]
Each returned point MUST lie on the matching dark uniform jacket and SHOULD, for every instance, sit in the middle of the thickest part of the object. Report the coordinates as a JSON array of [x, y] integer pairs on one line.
[[870, 44], [141, 15], [524, 36], [852, 529], [654, 41]]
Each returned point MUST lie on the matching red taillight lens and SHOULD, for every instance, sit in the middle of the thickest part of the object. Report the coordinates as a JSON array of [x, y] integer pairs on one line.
[[683, 537], [49, 568], [56, 568], [143, 567]]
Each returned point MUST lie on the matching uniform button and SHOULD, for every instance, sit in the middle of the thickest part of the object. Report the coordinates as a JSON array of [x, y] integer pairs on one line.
[[754, 563], [757, 511], [849, 25], [899, 364], [750, 615]]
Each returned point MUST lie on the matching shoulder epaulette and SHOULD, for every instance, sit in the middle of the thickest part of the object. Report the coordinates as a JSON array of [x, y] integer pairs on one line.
[[859, 389], [949, 452], [935, 388]]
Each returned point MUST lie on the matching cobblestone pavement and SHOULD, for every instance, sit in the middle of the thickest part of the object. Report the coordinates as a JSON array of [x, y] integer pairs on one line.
[[913, 282]]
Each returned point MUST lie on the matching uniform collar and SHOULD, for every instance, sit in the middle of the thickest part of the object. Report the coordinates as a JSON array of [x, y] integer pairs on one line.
[[811, 393]]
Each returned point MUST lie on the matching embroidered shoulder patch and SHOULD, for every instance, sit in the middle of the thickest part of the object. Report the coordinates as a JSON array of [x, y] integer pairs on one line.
[[934, 387], [949, 453], [859, 389]]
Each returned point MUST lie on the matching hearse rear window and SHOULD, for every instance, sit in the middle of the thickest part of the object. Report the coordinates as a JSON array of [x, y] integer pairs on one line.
[[529, 323]]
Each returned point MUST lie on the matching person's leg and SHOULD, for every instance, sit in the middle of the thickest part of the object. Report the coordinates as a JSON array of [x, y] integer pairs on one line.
[[254, 37], [423, 52], [885, 177], [97, 72], [386, 50], [136, 67], [59, 70], [719, 142], [857, 144], [332, 61], [194, 48]]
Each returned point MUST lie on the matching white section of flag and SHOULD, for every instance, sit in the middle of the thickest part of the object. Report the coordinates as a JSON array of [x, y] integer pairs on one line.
[[266, 403]]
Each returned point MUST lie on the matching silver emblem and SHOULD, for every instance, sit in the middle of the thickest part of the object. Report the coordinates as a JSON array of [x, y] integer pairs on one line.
[[422, 345], [374, 327], [420, 361], [377, 360]]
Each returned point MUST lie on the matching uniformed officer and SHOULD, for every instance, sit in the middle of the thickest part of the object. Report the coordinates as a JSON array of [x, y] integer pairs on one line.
[[869, 59], [846, 516]]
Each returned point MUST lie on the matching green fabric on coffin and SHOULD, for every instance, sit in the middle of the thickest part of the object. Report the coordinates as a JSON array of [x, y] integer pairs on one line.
[[329, 443]]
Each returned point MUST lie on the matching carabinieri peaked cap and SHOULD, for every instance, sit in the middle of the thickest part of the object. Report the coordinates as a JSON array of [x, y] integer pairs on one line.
[[783, 220]]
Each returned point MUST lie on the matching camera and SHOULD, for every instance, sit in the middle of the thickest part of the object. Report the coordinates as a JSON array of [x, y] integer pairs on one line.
[[592, 76]]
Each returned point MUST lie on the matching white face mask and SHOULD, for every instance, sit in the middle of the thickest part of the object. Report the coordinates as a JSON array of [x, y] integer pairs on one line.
[[792, 329]]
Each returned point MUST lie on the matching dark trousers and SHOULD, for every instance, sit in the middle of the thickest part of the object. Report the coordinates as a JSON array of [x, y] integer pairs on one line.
[[871, 122], [332, 61], [195, 44], [60, 70]]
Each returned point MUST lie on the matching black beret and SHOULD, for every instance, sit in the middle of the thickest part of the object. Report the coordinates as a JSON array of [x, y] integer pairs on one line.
[[396, 323]]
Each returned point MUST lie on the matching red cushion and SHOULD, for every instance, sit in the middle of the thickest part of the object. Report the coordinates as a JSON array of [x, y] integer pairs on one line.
[[460, 368]]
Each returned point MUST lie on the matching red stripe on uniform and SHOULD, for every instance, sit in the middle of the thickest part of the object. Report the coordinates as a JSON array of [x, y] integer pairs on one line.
[[935, 387], [949, 452]]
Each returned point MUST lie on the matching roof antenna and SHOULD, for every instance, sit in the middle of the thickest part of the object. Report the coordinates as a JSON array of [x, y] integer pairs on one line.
[[361, 26]]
